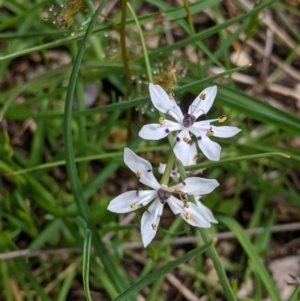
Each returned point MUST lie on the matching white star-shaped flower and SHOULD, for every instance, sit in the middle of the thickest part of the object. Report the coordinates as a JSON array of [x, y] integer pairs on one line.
[[187, 123], [161, 194]]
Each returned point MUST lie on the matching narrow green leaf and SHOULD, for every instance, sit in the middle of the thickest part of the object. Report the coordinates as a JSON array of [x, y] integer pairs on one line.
[[86, 258], [161, 271], [254, 258], [70, 161]]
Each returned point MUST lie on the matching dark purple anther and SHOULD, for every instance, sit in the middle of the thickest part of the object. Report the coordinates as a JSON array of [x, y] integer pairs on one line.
[[199, 138], [188, 120], [163, 195], [167, 131]]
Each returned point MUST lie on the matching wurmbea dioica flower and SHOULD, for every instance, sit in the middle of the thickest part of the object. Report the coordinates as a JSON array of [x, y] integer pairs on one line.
[[161, 194], [187, 123]]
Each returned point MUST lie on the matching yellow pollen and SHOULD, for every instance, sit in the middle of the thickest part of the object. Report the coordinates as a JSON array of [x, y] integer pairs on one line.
[[188, 215], [138, 174], [210, 133], [186, 139], [161, 121], [154, 227], [133, 206], [202, 96], [222, 118], [171, 95]]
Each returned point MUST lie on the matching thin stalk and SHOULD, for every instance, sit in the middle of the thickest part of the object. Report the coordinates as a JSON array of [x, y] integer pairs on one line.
[[124, 48], [147, 63], [166, 176], [126, 65], [79, 92]]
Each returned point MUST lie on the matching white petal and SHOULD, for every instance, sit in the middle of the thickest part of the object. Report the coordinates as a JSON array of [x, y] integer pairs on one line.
[[210, 149], [163, 103], [206, 211], [200, 106], [195, 186], [204, 124], [131, 200], [141, 166], [162, 168], [225, 131], [191, 214], [193, 154], [196, 217], [182, 148], [156, 131], [150, 221], [175, 174]]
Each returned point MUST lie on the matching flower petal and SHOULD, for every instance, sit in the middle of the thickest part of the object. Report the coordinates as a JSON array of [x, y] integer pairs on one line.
[[156, 131], [182, 148], [195, 186], [206, 211], [131, 200], [162, 168], [193, 154], [163, 103], [150, 221], [141, 167], [210, 149], [225, 131], [189, 212], [201, 106]]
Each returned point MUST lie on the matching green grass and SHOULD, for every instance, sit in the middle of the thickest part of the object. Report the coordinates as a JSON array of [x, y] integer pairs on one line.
[[61, 162]]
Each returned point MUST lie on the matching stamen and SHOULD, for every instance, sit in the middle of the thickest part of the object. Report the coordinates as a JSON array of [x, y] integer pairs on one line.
[[179, 192], [210, 133], [133, 206], [202, 96], [186, 139], [188, 215], [171, 95], [138, 174], [222, 118], [154, 227], [161, 121], [185, 203]]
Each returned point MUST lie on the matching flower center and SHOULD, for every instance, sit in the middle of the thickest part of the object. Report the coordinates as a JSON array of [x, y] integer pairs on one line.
[[188, 120], [163, 195]]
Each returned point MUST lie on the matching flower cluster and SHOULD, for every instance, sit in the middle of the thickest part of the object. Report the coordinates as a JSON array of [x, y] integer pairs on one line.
[[185, 151]]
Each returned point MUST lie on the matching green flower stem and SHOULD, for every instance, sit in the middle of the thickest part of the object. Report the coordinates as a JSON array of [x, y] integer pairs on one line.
[[124, 48], [170, 164], [147, 63], [212, 252]]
